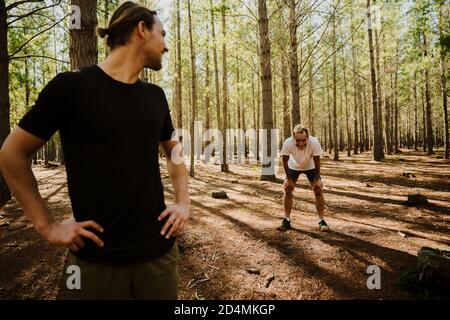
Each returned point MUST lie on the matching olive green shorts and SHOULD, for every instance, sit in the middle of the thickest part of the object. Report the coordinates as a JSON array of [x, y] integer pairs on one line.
[[154, 280]]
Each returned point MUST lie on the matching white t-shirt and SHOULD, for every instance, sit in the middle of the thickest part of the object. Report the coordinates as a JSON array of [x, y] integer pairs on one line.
[[301, 160]]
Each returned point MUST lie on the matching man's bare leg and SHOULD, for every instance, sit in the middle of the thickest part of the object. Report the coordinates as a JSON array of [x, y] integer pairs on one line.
[[317, 187], [288, 201]]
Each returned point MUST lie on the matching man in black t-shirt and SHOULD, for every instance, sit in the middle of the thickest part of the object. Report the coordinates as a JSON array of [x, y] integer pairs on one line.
[[111, 124]]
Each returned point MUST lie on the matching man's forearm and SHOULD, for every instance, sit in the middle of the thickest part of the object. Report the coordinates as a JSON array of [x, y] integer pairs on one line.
[[16, 169], [317, 167], [179, 179], [286, 168]]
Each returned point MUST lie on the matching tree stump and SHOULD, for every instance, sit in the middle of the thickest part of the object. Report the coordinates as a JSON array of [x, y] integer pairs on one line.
[[434, 270], [220, 195], [416, 199]]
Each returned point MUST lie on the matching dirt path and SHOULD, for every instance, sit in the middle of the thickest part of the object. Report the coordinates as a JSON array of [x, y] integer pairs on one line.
[[226, 237]]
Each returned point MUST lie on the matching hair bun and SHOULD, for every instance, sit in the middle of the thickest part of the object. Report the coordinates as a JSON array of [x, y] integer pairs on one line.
[[103, 32]]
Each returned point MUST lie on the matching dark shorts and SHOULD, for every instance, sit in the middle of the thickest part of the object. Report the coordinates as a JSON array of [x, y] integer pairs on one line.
[[153, 280], [310, 174]]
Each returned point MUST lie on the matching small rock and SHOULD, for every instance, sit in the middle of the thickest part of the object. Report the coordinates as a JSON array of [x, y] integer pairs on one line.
[[416, 199], [268, 280], [253, 271], [234, 181], [401, 234], [16, 227], [220, 195], [4, 224], [369, 185]]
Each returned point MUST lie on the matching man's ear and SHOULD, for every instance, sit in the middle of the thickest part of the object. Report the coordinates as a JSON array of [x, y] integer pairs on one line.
[[141, 29]]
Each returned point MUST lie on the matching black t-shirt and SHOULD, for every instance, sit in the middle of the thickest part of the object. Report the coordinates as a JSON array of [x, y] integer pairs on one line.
[[110, 133]]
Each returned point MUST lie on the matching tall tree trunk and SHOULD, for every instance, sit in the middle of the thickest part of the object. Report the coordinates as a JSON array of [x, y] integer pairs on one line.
[[216, 72], [311, 100], [362, 111], [258, 117], [239, 112], [255, 115], [424, 121], [430, 141], [335, 129], [207, 84], [355, 98], [396, 122], [286, 111], [83, 42], [349, 135], [5, 194], [377, 148], [379, 97], [444, 75], [387, 118], [295, 86], [225, 124], [330, 126], [367, 141], [178, 86], [193, 92], [416, 106], [106, 17], [266, 84]]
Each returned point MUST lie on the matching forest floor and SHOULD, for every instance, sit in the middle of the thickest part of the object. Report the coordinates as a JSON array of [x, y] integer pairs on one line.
[[225, 238]]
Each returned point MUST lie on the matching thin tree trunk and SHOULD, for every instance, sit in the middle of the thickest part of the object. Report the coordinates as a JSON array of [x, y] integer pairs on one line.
[[330, 126], [106, 17], [216, 73], [377, 148], [193, 92], [428, 101], [379, 97], [311, 99], [83, 42], [224, 167], [179, 87], [349, 135], [387, 120], [424, 121], [5, 194], [239, 112], [368, 141], [258, 117], [335, 130], [255, 116], [286, 111], [355, 99], [266, 85], [295, 87], [207, 85], [416, 106], [396, 126], [444, 75]]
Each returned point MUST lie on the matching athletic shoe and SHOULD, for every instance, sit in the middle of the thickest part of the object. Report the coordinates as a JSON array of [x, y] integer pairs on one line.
[[323, 226], [285, 225]]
